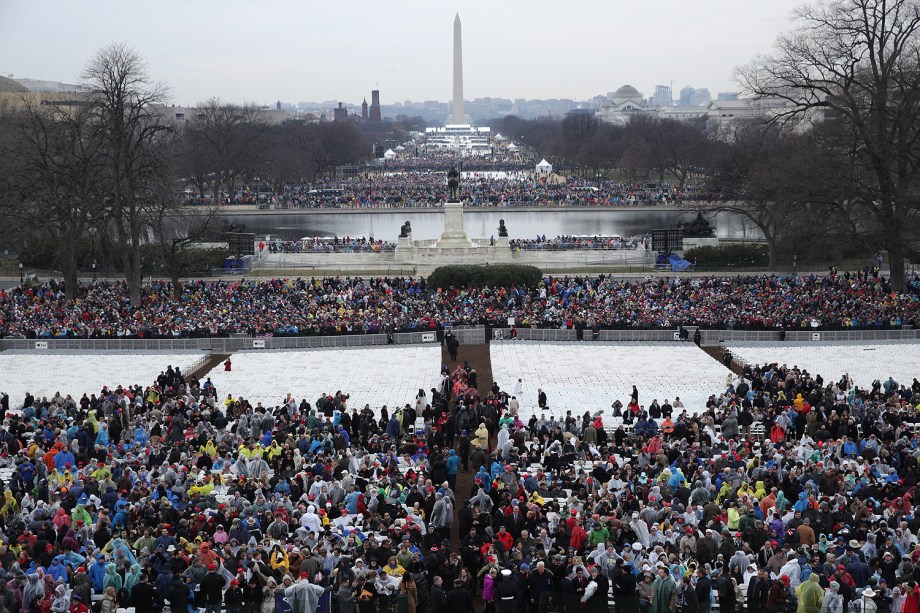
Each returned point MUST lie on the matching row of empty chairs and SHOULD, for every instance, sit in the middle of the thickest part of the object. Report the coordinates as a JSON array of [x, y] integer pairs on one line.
[[586, 377], [864, 362], [390, 375], [44, 373]]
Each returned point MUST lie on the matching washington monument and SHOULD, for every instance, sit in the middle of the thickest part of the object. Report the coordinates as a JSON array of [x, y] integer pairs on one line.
[[457, 116]]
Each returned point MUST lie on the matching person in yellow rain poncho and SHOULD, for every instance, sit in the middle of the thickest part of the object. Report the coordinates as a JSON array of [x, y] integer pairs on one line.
[[482, 437], [279, 560], [724, 493], [208, 449], [102, 472], [10, 505], [274, 450], [810, 594], [202, 488], [536, 498]]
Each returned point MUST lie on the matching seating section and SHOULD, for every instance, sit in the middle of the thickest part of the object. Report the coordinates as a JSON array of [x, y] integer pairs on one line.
[[864, 362], [73, 372], [591, 375], [371, 375]]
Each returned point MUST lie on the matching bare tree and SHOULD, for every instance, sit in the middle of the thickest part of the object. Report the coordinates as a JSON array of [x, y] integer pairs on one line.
[[857, 62], [230, 137], [178, 233], [131, 133], [784, 184], [54, 184]]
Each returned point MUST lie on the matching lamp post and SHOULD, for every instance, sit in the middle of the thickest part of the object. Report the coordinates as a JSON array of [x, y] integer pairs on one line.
[[21, 278]]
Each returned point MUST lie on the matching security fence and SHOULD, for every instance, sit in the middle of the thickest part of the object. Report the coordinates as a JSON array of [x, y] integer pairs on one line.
[[467, 335]]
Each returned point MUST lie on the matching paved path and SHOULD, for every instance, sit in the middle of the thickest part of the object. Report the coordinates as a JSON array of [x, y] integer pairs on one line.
[[479, 358]]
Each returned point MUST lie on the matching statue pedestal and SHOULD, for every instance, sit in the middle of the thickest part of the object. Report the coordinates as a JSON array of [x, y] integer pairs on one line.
[[453, 236], [403, 251], [502, 249]]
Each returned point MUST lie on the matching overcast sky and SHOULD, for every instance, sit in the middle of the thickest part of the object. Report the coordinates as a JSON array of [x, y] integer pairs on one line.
[[297, 50]]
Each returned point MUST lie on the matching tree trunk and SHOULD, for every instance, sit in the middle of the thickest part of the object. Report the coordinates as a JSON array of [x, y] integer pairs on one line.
[[771, 251], [69, 268], [133, 272], [897, 269], [176, 285]]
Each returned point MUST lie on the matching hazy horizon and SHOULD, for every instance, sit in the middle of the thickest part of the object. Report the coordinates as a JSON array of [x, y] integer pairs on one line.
[[291, 51]]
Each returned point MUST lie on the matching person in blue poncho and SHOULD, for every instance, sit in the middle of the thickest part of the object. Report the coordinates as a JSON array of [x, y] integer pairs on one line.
[[96, 574], [453, 467], [57, 570], [484, 479]]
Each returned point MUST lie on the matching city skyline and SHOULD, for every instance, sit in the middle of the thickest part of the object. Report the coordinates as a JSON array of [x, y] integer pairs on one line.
[[317, 53]]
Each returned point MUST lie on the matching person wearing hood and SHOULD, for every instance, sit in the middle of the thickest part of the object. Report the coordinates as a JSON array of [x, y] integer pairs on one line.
[[97, 574], [453, 467], [482, 437], [304, 596], [833, 601], [133, 578], [57, 571], [61, 601], [33, 590], [164, 580], [81, 585], [112, 578], [810, 595], [483, 479]]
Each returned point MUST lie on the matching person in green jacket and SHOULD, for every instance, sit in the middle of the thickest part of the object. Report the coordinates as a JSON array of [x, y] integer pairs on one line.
[[599, 534]]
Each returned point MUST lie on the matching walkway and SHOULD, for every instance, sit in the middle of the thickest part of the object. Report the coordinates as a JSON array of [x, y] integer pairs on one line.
[[479, 358]]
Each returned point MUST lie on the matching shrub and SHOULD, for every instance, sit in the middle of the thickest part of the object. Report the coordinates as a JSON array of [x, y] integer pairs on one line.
[[500, 275], [729, 256]]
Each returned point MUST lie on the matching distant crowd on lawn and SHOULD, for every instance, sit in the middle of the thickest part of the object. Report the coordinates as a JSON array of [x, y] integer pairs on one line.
[[356, 305], [428, 188]]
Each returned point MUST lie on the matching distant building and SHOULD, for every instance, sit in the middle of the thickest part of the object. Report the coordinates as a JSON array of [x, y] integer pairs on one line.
[[462, 139], [15, 93], [622, 104], [724, 113], [39, 86], [684, 113], [700, 97], [723, 96], [364, 110], [340, 113], [374, 114], [694, 97], [662, 97]]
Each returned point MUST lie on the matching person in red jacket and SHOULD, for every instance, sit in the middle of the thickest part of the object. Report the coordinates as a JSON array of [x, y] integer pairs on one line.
[[579, 536], [504, 537]]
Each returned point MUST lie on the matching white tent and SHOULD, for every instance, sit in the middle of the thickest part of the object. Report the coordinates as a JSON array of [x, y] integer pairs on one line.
[[389, 154], [543, 168], [512, 147], [500, 138]]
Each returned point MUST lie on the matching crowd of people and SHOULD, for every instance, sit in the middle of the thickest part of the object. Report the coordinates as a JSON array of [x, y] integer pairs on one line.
[[177, 493], [578, 243], [335, 244], [427, 188], [354, 305]]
